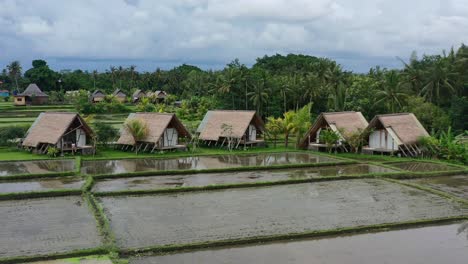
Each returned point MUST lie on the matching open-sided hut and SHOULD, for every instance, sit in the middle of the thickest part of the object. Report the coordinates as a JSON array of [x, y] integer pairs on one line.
[[138, 95], [343, 124], [65, 131], [97, 96], [120, 95], [395, 133], [164, 133], [219, 127], [31, 96]]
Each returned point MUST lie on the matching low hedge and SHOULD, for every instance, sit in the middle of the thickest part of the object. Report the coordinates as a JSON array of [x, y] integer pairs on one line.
[[102, 222], [41, 194], [311, 234], [54, 256]]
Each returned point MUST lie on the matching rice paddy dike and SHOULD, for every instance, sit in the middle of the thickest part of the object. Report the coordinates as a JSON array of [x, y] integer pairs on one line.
[[260, 206]]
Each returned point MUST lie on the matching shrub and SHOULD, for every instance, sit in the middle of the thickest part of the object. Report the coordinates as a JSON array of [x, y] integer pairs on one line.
[[9, 134], [105, 132], [52, 151]]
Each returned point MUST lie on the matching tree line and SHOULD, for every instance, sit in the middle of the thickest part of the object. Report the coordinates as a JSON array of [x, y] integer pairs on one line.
[[434, 87]]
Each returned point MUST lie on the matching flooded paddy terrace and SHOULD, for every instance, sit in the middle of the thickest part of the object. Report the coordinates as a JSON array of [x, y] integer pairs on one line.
[[10, 168], [205, 179], [141, 221], [200, 162], [419, 166], [456, 185], [48, 184], [424, 245]]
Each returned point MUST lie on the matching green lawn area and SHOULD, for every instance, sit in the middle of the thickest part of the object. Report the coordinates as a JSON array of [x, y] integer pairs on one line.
[[16, 154]]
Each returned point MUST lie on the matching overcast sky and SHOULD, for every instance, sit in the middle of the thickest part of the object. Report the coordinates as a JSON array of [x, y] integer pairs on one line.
[[94, 34]]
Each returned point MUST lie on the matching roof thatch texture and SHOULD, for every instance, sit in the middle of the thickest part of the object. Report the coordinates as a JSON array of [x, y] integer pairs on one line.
[[156, 123], [345, 123], [119, 93], [138, 93], [97, 93], [405, 126], [49, 127], [211, 126], [33, 90]]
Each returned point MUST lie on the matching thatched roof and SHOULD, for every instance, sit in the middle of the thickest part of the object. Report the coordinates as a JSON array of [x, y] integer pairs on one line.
[[211, 126], [157, 123], [138, 93], [49, 127], [344, 123], [33, 90], [405, 126], [97, 93], [159, 94], [119, 93]]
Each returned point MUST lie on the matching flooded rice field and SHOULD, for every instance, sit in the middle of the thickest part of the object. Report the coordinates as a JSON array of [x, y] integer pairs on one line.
[[181, 218], [425, 245], [417, 166], [204, 179], [41, 184], [78, 260], [46, 225], [456, 185], [200, 163], [9, 168]]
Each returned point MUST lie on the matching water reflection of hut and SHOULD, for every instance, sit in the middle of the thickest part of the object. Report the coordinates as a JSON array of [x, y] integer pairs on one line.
[[63, 130], [242, 127], [343, 124], [164, 133], [395, 133]]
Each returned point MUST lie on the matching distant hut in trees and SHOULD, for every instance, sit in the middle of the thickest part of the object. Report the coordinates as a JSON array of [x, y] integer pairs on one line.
[[97, 96], [244, 128], [157, 97], [395, 134], [343, 124], [120, 95], [63, 130], [164, 133], [138, 95], [31, 96], [4, 93]]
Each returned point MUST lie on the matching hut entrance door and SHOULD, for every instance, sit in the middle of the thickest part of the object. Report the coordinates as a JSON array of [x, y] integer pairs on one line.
[[252, 133]]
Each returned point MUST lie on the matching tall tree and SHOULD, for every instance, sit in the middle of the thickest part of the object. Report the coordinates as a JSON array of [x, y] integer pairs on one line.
[[14, 71]]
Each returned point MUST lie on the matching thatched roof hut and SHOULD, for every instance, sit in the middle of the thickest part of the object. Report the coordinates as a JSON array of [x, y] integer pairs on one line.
[[137, 95], [164, 131], [97, 96], [120, 95], [244, 126], [342, 123], [33, 95], [63, 130], [395, 133], [157, 96]]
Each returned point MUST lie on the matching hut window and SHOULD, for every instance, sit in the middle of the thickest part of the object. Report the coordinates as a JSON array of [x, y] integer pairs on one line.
[[19, 99]]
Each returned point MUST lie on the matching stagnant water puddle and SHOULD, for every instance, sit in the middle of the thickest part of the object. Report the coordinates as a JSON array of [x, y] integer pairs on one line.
[[425, 245], [204, 179], [417, 166], [456, 185], [200, 163], [140, 221], [9, 168], [46, 225], [41, 184]]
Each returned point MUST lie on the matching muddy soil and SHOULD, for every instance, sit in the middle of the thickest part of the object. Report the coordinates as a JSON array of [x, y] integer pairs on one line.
[[41, 184], [9, 168], [181, 218], [456, 185]]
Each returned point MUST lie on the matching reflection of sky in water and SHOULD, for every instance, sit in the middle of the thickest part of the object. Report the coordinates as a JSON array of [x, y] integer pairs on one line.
[[200, 163]]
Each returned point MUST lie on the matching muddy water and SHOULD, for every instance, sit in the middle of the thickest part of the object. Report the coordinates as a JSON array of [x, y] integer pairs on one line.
[[41, 184], [141, 221], [8, 168], [426, 245], [85, 260], [422, 166], [204, 179], [199, 163], [456, 185], [46, 225]]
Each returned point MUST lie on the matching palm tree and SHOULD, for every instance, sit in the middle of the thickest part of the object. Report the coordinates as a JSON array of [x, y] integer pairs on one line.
[[285, 89], [95, 74], [440, 80], [392, 93], [337, 97], [274, 127], [112, 71], [412, 74], [137, 129], [259, 96], [14, 70]]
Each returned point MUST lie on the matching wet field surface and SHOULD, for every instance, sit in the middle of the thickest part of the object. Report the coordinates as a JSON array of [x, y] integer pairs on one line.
[[204, 179], [416, 166], [425, 245], [200, 163], [84, 260], [46, 225], [9, 168], [456, 185], [141, 221], [41, 184]]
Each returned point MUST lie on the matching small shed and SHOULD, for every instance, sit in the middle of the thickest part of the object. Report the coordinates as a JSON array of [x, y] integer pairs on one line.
[[120, 95], [243, 127], [395, 134], [342, 123], [4, 93], [138, 95], [97, 96], [33, 95], [164, 133], [64, 130]]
